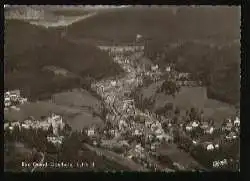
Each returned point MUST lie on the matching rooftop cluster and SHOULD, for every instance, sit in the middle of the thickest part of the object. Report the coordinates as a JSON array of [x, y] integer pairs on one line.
[[12, 99]]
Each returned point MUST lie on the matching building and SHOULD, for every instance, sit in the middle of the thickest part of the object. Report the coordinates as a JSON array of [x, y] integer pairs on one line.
[[209, 130], [91, 131], [195, 124], [210, 147], [237, 121], [55, 140], [56, 122]]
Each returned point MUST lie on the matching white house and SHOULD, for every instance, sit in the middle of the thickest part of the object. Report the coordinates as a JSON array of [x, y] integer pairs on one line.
[[189, 128], [23, 100], [91, 132], [210, 147], [210, 130], [216, 164], [154, 68], [137, 132], [139, 148], [7, 103], [55, 140], [160, 137], [195, 124], [113, 83], [168, 69], [153, 147], [216, 146], [237, 121], [25, 126]]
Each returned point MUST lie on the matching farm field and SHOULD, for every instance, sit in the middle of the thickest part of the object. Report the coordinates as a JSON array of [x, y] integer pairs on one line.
[[191, 97]]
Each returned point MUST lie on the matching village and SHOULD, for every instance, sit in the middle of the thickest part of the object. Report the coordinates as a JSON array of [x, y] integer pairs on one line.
[[147, 132], [135, 134]]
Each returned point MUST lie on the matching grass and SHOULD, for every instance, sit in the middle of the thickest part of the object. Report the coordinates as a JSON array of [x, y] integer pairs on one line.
[[189, 97]]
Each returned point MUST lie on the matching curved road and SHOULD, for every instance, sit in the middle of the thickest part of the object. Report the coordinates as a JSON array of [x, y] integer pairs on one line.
[[41, 162]]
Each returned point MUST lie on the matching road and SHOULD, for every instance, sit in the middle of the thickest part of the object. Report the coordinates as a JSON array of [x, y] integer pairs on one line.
[[41, 162], [117, 158]]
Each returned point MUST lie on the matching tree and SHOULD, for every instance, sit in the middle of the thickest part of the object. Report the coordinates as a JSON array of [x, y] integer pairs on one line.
[[67, 129], [177, 111], [169, 88], [50, 130], [193, 114]]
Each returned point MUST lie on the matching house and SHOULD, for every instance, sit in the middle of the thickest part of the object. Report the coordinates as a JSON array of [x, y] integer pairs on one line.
[[195, 124], [189, 128], [228, 127], [139, 148], [231, 136], [210, 147], [216, 146], [91, 132], [216, 164], [137, 132], [55, 140], [113, 83], [25, 126], [154, 68], [7, 103], [237, 121], [23, 100], [168, 69], [13, 97], [209, 130], [153, 147]]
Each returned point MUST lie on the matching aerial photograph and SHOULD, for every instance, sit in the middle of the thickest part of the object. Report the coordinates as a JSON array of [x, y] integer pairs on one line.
[[121, 88]]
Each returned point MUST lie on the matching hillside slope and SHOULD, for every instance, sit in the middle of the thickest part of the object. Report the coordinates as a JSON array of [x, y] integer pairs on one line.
[[28, 49], [213, 65], [165, 23]]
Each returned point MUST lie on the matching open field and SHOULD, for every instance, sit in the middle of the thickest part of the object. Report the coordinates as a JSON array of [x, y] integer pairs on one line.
[[191, 97], [77, 114], [78, 98]]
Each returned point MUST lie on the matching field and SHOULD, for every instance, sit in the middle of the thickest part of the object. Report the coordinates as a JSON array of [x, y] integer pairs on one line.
[[77, 111], [78, 98], [191, 97]]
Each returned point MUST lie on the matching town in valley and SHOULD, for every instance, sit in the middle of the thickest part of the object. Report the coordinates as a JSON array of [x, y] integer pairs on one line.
[[99, 89]]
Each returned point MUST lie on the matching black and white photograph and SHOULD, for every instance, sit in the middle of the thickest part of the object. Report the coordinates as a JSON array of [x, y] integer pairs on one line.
[[108, 88]]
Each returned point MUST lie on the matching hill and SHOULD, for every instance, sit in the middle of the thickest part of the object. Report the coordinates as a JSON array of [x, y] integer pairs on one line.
[[163, 23], [214, 65], [28, 49]]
